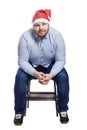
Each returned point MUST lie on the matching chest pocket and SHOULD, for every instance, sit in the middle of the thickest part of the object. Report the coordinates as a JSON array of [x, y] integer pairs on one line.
[[50, 52]]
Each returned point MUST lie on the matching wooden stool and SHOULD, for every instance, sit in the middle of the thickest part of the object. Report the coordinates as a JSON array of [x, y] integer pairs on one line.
[[42, 96]]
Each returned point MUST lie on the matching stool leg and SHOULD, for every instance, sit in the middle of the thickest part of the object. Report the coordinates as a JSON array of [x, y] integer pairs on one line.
[[28, 91], [56, 108], [27, 104], [56, 98]]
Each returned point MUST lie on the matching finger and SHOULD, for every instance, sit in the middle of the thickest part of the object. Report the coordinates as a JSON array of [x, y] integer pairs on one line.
[[42, 73]]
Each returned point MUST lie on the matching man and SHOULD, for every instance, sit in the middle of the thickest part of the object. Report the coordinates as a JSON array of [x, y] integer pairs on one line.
[[41, 55]]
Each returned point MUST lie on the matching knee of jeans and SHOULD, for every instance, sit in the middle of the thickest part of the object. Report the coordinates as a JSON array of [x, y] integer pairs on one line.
[[61, 78], [22, 76], [64, 76]]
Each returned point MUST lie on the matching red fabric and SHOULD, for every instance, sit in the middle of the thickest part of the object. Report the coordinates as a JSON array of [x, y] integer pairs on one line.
[[45, 14]]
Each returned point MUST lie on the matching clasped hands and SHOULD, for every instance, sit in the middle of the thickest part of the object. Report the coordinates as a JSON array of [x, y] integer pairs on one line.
[[42, 77]]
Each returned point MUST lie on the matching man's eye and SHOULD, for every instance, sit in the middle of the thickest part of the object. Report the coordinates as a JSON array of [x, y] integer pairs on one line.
[[44, 23]]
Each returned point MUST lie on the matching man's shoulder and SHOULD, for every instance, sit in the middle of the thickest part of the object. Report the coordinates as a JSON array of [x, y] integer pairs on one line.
[[54, 31], [28, 33]]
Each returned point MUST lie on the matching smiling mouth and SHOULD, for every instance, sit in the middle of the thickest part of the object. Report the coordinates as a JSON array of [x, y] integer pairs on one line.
[[41, 31]]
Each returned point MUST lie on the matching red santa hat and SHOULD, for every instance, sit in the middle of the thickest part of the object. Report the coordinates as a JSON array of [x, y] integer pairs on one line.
[[43, 15]]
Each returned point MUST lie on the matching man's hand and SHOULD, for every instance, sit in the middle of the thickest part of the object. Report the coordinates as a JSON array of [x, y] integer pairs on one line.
[[46, 78], [39, 75], [43, 78]]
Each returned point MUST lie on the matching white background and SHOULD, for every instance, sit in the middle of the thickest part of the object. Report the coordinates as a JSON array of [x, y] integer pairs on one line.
[[70, 18]]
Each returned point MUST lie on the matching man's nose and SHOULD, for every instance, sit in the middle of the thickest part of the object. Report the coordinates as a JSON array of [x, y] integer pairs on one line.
[[40, 27]]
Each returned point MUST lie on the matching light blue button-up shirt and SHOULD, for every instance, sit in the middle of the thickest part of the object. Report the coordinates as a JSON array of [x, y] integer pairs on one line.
[[33, 49]]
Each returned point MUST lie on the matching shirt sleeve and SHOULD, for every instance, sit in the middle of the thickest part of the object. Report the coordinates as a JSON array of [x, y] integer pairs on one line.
[[60, 54], [23, 56]]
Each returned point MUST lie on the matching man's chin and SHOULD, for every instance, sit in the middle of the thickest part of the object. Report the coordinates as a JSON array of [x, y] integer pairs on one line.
[[42, 35]]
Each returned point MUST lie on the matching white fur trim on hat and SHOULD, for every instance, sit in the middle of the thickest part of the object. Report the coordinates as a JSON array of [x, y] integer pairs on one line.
[[40, 20]]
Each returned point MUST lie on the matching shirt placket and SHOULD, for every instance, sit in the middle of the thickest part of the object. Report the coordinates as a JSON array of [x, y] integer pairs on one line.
[[42, 53]]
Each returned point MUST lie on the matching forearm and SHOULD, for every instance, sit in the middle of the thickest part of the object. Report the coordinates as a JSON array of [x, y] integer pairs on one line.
[[57, 67], [51, 75], [26, 67]]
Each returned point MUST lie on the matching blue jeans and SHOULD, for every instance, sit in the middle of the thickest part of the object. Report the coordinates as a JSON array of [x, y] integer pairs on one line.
[[20, 88]]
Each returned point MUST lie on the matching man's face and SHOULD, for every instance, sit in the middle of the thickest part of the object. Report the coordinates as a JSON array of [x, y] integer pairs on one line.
[[41, 29]]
